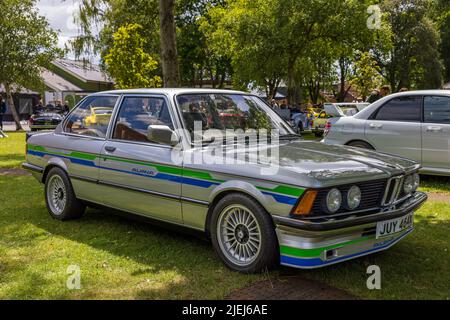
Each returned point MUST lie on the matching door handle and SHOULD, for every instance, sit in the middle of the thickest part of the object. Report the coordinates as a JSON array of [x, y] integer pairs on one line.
[[434, 129], [376, 125], [110, 148]]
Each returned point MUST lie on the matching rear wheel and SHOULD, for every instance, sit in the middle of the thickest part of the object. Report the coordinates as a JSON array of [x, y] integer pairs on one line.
[[243, 234], [360, 144], [318, 134], [60, 197]]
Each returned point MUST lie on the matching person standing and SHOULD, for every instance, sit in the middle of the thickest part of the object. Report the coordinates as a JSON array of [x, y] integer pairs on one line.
[[38, 107], [2, 111], [378, 94], [66, 107]]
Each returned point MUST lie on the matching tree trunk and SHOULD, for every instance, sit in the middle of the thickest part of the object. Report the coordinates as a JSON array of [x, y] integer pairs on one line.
[[169, 55], [343, 76], [290, 82], [11, 105]]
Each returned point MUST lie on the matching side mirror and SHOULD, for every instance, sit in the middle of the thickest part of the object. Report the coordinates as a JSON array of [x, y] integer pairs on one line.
[[162, 134]]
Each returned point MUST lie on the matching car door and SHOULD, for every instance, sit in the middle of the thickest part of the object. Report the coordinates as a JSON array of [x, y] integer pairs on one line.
[[138, 174], [436, 132], [79, 145], [395, 127]]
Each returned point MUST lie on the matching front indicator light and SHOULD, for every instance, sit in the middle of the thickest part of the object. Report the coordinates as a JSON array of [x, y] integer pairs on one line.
[[305, 205]]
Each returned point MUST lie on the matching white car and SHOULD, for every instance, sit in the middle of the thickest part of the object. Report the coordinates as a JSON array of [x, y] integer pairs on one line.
[[414, 125], [332, 112]]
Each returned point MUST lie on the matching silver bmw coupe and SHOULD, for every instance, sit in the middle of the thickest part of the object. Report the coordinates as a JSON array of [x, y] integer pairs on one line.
[[260, 201]]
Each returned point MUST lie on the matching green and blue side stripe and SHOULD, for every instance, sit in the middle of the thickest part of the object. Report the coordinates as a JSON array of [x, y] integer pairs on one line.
[[282, 193]]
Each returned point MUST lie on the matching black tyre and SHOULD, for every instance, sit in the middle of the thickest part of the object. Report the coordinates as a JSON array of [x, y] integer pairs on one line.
[[318, 134], [360, 144], [243, 234], [60, 197]]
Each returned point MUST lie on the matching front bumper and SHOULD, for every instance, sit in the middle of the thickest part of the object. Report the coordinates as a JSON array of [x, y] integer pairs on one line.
[[305, 247]]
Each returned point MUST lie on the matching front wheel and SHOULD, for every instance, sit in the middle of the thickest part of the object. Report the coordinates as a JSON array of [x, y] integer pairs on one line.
[[243, 234], [60, 197]]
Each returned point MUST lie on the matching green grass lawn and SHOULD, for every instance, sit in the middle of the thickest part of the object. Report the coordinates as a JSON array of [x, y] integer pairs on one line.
[[12, 150], [120, 258]]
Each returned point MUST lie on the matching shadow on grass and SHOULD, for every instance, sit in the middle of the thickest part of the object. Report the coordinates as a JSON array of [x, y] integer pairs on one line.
[[415, 268], [139, 250], [435, 183]]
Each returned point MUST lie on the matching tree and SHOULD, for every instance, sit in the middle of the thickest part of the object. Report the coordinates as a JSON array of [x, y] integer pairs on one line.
[[244, 33], [441, 16], [367, 74], [108, 16], [27, 44], [169, 55], [198, 61], [405, 63], [128, 63]]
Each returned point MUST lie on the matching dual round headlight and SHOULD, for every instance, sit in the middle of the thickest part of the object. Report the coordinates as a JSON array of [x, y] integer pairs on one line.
[[334, 199], [353, 197], [411, 183]]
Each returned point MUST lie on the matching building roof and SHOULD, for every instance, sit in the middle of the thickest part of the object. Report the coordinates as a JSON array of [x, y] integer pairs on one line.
[[17, 89], [57, 83], [85, 71]]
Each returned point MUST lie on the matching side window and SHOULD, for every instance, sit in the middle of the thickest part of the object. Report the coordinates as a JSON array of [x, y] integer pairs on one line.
[[401, 109], [136, 114], [92, 117], [437, 110]]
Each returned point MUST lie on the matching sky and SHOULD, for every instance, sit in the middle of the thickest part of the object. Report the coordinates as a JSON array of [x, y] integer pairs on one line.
[[59, 13]]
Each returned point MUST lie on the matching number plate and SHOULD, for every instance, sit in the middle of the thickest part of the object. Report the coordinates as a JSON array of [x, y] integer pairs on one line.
[[388, 227]]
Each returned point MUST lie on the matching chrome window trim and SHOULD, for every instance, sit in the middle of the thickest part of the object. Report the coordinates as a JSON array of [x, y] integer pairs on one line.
[[152, 144], [80, 136], [64, 122], [109, 136]]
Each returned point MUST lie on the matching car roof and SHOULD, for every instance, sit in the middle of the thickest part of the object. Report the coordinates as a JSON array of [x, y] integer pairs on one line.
[[365, 113], [170, 91]]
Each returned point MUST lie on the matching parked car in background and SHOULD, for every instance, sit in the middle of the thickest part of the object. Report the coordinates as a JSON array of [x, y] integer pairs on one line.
[[332, 112], [98, 116], [412, 124], [323, 205], [45, 119], [300, 122]]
